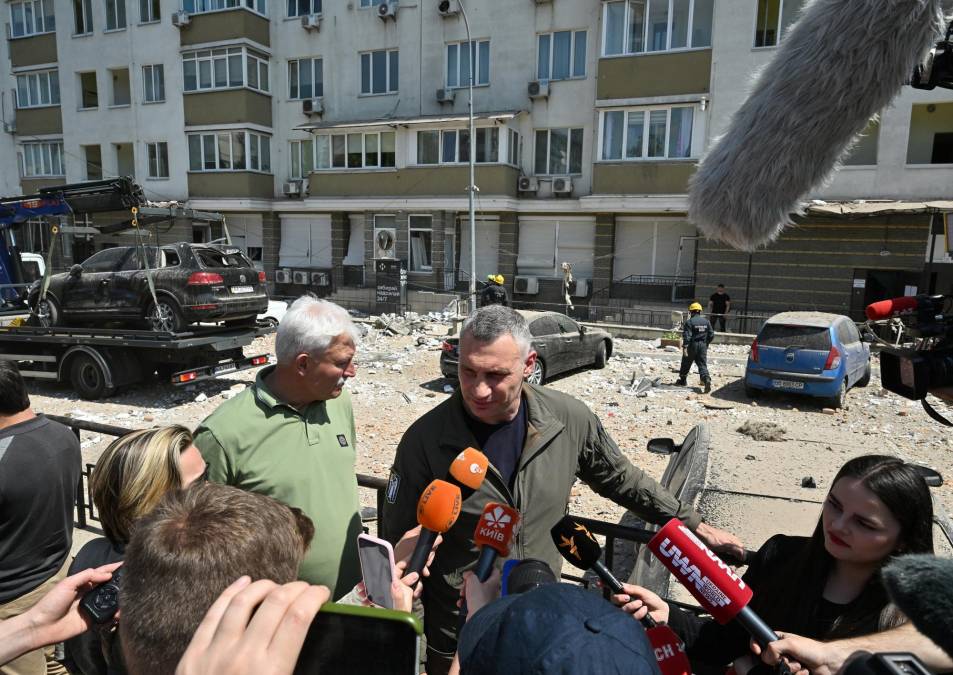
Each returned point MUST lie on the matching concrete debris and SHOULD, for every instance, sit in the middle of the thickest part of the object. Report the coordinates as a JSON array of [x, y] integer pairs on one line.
[[750, 457], [762, 431], [808, 482], [672, 349], [229, 393], [448, 389], [201, 397], [828, 411]]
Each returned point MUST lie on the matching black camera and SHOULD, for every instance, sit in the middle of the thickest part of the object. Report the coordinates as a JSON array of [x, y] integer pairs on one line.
[[102, 602]]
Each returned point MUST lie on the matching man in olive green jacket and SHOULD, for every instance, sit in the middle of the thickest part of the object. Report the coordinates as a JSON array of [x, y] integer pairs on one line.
[[538, 440]]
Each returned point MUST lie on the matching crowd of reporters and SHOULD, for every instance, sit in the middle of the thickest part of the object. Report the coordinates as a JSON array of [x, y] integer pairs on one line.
[[212, 578]]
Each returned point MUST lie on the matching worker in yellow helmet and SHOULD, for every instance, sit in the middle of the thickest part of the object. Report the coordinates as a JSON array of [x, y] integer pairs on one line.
[[697, 334], [495, 292]]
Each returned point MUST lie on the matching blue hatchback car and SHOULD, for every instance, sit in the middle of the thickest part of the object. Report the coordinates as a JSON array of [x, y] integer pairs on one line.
[[808, 353]]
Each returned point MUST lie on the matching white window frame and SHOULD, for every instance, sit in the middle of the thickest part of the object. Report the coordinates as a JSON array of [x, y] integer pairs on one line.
[[256, 147], [118, 10], [458, 145], [574, 34], [646, 111], [480, 79], [780, 29], [389, 87], [41, 18], [157, 156], [369, 4], [299, 151], [259, 7], [209, 57], [513, 148], [86, 19], [549, 142], [424, 269], [31, 87], [627, 47], [294, 78], [79, 98], [153, 13], [47, 153], [324, 144], [153, 74], [314, 5]]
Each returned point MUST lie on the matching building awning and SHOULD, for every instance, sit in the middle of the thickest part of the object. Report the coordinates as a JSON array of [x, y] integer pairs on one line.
[[394, 122], [869, 207]]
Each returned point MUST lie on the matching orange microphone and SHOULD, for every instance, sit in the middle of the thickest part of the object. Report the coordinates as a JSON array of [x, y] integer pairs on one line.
[[437, 511], [468, 469]]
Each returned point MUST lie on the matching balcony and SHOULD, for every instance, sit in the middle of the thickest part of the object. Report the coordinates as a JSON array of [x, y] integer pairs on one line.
[[230, 106], [32, 185], [224, 25], [232, 184], [642, 178], [656, 74], [32, 51], [417, 181], [39, 121]]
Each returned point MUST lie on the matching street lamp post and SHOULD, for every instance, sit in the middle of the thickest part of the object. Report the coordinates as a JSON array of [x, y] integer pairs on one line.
[[471, 188]]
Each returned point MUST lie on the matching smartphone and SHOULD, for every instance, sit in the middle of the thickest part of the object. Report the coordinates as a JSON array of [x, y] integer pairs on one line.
[[378, 569], [357, 639]]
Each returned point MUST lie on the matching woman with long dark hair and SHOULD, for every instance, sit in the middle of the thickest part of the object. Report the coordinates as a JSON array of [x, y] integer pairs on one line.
[[825, 586]]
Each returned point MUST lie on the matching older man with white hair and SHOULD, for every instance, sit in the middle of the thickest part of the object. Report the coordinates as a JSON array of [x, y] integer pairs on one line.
[[291, 436]]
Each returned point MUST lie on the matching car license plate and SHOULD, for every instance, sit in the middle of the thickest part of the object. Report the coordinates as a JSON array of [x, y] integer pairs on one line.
[[224, 368], [787, 384], [242, 289]]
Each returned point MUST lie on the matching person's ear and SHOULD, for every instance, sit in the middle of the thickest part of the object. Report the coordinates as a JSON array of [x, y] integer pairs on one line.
[[301, 363], [529, 363]]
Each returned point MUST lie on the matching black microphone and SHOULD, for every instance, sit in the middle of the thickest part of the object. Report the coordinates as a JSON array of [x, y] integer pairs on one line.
[[842, 62], [577, 545], [922, 587]]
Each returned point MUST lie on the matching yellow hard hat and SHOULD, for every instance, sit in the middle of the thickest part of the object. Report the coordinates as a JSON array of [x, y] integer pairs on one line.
[[695, 307], [495, 278]]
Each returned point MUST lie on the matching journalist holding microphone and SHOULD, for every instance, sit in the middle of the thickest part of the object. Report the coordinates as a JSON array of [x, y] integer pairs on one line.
[[538, 441], [826, 586]]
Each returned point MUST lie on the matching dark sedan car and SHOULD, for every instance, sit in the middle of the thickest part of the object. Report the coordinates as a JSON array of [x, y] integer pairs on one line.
[[561, 343], [193, 283]]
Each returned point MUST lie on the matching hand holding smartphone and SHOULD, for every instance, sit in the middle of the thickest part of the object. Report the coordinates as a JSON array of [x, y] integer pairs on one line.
[[378, 569]]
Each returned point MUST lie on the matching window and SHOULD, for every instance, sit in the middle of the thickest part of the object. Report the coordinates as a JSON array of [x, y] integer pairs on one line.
[[38, 89], [89, 97], [302, 158], [153, 83], [561, 55], [930, 139], [303, 7], [305, 78], [43, 159], [200, 6], [379, 72], [148, 11], [230, 151], [547, 242], [224, 69], [864, 152], [115, 14], [356, 150], [158, 160], [654, 133], [421, 240], [558, 152], [106, 260], [639, 26], [452, 146], [513, 151], [94, 162], [459, 59], [773, 19], [371, 3], [31, 18], [83, 17], [120, 87]]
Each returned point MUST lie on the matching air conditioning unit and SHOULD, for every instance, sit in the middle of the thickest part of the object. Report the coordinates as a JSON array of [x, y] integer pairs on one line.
[[537, 89], [528, 184], [387, 10], [181, 19], [293, 188], [385, 242], [320, 279], [283, 276], [311, 22], [580, 288], [562, 186], [446, 95], [448, 8], [299, 277], [10, 127], [543, 2], [526, 285], [312, 106]]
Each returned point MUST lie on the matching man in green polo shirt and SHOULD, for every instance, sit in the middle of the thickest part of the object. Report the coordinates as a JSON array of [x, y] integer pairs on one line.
[[291, 437]]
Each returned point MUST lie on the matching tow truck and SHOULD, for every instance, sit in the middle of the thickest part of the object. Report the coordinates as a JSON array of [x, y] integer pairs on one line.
[[98, 361]]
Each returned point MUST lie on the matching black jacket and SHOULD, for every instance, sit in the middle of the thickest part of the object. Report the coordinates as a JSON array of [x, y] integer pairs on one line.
[[494, 294], [697, 330]]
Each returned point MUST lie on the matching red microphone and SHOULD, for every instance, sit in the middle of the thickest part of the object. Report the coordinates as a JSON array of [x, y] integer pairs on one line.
[[494, 532], [710, 580], [888, 309], [669, 651]]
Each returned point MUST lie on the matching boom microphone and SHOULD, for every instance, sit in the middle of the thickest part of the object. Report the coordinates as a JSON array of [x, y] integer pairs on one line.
[[495, 530], [468, 469], [888, 309], [437, 511], [841, 63], [922, 587]]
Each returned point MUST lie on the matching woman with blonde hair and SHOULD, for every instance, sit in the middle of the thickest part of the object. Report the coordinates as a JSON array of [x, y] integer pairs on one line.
[[129, 479]]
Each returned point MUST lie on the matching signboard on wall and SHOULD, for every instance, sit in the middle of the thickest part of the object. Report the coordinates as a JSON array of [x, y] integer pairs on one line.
[[390, 286]]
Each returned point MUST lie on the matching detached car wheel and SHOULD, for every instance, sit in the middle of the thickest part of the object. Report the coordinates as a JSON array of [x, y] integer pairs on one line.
[[538, 376], [165, 317]]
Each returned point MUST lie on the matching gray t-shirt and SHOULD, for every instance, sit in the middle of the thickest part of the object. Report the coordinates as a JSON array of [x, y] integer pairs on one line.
[[40, 467]]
